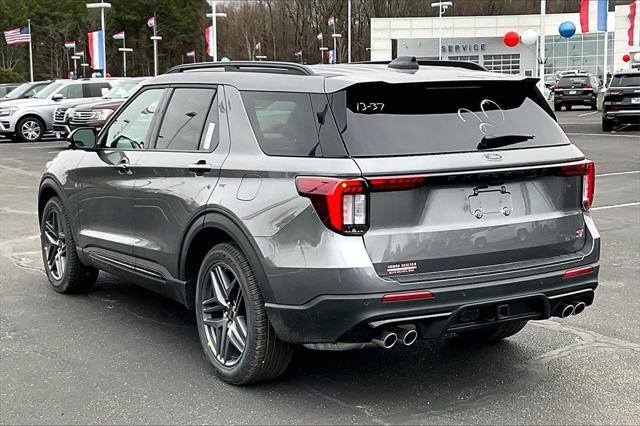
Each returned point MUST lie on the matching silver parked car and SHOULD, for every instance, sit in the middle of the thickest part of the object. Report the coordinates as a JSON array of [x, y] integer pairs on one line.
[[29, 119], [336, 207]]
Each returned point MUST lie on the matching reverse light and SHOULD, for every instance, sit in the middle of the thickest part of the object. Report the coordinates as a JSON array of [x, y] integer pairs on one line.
[[571, 273], [402, 297], [587, 170], [341, 204]]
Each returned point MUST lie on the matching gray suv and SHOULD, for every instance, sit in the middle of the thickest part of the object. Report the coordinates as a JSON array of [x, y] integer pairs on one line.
[[335, 207]]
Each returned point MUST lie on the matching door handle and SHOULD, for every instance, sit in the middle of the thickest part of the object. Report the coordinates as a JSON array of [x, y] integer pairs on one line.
[[200, 168]]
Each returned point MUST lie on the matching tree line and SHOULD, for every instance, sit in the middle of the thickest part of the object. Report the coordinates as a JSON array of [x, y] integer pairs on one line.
[[282, 27]]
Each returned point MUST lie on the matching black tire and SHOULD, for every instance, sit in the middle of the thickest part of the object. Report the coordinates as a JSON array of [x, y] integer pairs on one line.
[[74, 277], [33, 123], [264, 357], [607, 125], [594, 106], [491, 334], [568, 107], [557, 107]]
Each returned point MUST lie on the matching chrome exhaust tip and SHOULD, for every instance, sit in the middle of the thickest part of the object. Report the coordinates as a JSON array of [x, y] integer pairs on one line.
[[407, 334], [579, 307], [386, 339], [565, 310]]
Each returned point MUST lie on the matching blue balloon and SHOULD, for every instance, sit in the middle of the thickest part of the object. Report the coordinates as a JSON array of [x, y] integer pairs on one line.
[[567, 29]]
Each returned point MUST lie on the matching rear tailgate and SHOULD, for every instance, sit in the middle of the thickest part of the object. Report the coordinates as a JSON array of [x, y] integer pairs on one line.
[[439, 199]]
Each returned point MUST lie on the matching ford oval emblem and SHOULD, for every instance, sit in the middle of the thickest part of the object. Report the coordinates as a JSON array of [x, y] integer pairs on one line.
[[492, 156]]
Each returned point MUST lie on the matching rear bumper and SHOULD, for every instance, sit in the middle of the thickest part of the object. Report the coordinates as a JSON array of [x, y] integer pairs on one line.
[[575, 99], [630, 115], [329, 319]]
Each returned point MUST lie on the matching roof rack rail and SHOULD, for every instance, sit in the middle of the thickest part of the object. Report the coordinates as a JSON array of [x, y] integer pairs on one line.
[[436, 63], [246, 66]]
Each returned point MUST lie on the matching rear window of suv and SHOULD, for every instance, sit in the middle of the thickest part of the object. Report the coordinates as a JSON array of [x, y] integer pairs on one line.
[[381, 119], [626, 80], [579, 80]]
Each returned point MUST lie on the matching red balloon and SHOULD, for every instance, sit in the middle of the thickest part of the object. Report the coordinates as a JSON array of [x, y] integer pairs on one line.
[[626, 57], [511, 39]]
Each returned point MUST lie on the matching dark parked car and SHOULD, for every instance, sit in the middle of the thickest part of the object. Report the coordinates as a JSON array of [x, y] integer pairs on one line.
[[94, 113], [25, 90], [622, 100], [335, 207], [6, 88], [578, 89]]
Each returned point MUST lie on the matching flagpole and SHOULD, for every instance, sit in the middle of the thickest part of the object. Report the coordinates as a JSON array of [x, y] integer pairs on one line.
[[349, 35], [30, 52], [155, 46], [606, 53], [104, 42], [124, 54], [322, 50], [543, 11]]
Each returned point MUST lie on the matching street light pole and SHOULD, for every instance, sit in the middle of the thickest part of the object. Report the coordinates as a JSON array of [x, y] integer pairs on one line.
[[349, 34], [214, 29], [442, 7]]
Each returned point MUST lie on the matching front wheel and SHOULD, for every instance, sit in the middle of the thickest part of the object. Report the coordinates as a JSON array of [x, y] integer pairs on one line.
[[491, 334], [232, 321], [30, 129], [61, 263], [557, 107], [568, 107]]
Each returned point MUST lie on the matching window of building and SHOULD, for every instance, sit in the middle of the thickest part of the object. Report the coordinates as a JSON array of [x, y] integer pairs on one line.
[[469, 58], [506, 64]]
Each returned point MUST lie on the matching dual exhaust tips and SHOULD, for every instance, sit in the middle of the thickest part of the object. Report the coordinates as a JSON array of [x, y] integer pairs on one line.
[[570, 308], [404, 334]]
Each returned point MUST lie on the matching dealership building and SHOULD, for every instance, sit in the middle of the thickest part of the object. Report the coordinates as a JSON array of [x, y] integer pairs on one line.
[[480, 39]]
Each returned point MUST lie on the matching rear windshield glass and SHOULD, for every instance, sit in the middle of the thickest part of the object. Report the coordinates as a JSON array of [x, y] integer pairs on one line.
[[573, 81], [380, 119], [625, 80]]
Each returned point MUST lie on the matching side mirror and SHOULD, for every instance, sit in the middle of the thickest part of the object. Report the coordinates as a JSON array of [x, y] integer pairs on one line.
[[84, 138], [57, 97]]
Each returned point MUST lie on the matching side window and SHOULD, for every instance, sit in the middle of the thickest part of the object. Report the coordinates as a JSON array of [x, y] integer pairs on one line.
[[130, 130], [284, 123], [186, 118], [95, 90], [72, 91]]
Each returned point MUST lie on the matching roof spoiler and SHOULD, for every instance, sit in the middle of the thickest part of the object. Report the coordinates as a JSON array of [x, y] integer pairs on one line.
[[427, 62]]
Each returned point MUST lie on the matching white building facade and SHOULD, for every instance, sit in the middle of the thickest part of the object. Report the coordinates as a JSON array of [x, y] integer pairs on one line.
[[479, 39]]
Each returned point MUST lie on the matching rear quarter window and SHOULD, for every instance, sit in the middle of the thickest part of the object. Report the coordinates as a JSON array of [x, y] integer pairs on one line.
[[293, 124]]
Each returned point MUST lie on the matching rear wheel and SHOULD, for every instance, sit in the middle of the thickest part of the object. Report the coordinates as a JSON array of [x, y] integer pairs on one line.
[[557, 107], [61, 263], [232, 321], [607, 125], [594, 106], [30, 129], [568, 107], [491, 334]]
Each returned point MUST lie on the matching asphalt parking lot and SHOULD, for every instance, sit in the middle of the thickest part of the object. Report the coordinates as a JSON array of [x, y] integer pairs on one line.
[[121, 354]]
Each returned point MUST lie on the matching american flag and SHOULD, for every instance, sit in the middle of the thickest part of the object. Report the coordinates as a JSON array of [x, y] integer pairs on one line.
[[19, 35]]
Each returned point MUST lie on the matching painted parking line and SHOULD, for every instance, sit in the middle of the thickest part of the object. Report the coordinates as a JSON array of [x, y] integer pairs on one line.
[[619, 173], [588, 113], [616, 135], [615, 206]]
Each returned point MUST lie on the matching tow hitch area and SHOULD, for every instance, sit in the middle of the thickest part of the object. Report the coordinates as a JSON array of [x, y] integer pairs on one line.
[[474, 316]]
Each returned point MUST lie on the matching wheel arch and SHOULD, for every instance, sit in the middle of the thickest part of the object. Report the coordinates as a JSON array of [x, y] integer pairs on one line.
[[49, 188], [214, 227]]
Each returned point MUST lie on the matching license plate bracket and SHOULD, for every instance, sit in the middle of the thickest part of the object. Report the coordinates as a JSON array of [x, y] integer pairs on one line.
[[490, 200]]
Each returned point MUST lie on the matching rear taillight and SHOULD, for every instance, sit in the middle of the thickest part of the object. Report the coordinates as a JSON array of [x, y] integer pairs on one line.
[[588, 172], [341, 204]]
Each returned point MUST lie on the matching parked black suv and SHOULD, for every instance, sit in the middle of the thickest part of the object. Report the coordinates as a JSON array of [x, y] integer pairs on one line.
[[622, 100], [335, 207], [578, 89]]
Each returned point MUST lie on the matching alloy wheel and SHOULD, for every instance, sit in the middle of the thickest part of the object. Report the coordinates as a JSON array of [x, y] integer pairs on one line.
[[30, 130], [224, 314], [55, 245]]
